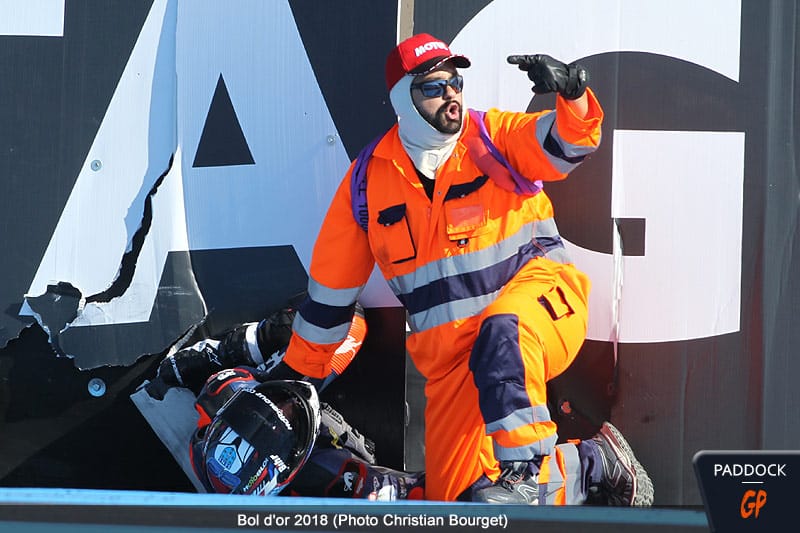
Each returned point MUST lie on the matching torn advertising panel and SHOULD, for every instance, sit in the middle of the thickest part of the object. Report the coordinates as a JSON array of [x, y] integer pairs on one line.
[[123, 215], [163, 182], [60, 75], [217, 159]]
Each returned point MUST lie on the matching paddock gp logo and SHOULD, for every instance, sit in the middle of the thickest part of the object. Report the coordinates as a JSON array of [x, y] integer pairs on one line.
[[748, 491], [752, 500]]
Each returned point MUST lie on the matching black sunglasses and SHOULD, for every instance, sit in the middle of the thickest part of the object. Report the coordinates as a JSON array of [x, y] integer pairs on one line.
[[434, 88]]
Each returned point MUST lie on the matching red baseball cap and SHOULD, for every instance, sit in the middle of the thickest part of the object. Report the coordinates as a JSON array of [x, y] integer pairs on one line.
[[418, 55]]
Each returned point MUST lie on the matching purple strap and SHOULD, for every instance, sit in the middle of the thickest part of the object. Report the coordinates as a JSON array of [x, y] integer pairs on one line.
[[358, 179], [522, 184], [358, 184]]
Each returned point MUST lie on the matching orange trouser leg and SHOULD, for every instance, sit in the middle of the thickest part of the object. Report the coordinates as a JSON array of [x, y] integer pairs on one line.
[[561, 477], [528, 335], [457, 449]]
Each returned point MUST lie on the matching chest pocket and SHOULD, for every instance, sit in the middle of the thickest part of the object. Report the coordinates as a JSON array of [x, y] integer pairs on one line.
[[465, 214], [397, 241]]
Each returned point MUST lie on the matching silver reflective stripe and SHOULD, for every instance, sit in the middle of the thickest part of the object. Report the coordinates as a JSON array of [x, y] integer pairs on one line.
[[474, 261], [252, 343], [519, 418], [545, 228], [547, 492], [548, 228], [335, 297], [556, 481], [545, 125], [527, 452], [449, 311], [460, 264], [574, 494], [559, 255], [319, 335]]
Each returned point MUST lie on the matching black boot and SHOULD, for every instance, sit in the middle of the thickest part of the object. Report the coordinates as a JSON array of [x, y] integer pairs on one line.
[[517, 484], [624, 481]]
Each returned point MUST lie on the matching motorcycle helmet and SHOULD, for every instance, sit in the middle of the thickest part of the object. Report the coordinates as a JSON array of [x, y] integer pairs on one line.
[[260, 438], [219, 388]]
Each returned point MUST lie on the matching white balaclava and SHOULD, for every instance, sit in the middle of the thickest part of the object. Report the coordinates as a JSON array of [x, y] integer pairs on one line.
[[427, 147]]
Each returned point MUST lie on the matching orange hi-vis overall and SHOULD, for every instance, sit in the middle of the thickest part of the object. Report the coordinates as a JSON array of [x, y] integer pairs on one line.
[[495, 307]]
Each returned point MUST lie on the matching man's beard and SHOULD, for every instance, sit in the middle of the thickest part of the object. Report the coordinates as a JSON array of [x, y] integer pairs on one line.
[[442, 122]]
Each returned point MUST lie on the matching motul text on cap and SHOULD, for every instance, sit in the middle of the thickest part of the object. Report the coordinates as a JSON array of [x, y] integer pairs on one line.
[[417, 55]]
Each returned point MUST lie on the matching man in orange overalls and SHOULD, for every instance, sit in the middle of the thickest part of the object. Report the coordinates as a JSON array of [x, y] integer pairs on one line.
[[458, 224]]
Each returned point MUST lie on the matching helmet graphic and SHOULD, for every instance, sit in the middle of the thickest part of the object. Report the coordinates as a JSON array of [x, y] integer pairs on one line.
[[219, 388], [260, 438]]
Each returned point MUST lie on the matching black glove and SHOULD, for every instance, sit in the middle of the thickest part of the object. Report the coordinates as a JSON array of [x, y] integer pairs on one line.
[[190, 367], [284, 371], [551, 75]]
